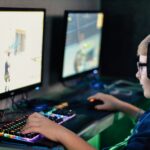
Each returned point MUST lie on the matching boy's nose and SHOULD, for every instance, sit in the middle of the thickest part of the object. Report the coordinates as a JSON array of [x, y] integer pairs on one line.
[[137, 75]]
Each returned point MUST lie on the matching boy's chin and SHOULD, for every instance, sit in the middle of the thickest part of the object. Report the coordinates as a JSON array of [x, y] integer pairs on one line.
[[147, 95]]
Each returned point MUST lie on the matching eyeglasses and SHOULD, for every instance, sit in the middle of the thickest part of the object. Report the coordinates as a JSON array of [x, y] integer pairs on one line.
[[141, 65]]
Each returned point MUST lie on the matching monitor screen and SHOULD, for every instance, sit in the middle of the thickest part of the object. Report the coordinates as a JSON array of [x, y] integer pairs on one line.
[[82, 42], [21, 49]]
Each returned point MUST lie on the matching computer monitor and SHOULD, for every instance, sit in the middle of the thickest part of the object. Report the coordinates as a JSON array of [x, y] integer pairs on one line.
[[82, 44], [21, 49]]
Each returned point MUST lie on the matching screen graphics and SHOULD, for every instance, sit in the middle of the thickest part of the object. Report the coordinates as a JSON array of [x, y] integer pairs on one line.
[[82, 42], [21, 48]]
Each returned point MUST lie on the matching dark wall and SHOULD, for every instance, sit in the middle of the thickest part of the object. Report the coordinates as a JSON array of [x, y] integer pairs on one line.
[[126, 24]]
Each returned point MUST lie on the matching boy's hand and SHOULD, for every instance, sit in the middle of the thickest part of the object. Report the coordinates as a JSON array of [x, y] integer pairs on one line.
[[110, 102]]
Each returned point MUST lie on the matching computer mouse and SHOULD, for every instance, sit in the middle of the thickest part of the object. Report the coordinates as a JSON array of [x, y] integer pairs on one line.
[[93, 102]]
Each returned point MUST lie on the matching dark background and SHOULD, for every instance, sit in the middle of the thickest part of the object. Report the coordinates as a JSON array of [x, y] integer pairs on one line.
[[126, 23]]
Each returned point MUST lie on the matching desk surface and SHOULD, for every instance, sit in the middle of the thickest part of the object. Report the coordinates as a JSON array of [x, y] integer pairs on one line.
[[86, 124]]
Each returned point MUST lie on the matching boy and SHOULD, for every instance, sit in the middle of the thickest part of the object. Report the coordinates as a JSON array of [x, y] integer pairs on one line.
[[140, 137]]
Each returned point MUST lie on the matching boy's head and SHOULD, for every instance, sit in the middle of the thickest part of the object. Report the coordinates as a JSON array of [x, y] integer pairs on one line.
[[143, 46], [142, 66]]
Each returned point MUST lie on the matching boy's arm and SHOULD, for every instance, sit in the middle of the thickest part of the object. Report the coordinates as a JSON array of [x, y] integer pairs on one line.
[[112, 103], [55, 132], [72, 142], [130, 110]]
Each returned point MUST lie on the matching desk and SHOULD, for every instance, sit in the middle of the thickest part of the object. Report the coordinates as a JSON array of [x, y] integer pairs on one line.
[[90, 127], [87, 124]]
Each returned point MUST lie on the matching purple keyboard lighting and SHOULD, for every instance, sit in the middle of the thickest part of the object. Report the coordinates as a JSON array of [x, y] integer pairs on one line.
[[12, 130]]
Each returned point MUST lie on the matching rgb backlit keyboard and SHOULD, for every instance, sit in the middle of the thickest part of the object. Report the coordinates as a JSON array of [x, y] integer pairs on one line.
[[12, 130]]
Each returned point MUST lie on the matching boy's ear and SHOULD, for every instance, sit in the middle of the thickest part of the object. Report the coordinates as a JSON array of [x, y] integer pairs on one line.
[[148, 61]]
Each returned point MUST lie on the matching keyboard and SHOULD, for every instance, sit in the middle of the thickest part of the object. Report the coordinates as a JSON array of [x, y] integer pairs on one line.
[[12, 130]]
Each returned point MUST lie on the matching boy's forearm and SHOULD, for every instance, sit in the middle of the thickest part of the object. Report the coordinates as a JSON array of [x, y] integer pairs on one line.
[[130, 109], [72, 142]]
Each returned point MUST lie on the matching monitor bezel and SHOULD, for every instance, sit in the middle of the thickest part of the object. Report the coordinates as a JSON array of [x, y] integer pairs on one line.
[[81, 74], [38, 84]]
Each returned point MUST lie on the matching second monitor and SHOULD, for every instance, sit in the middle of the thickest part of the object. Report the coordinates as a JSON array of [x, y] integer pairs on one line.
[[82, 42]]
